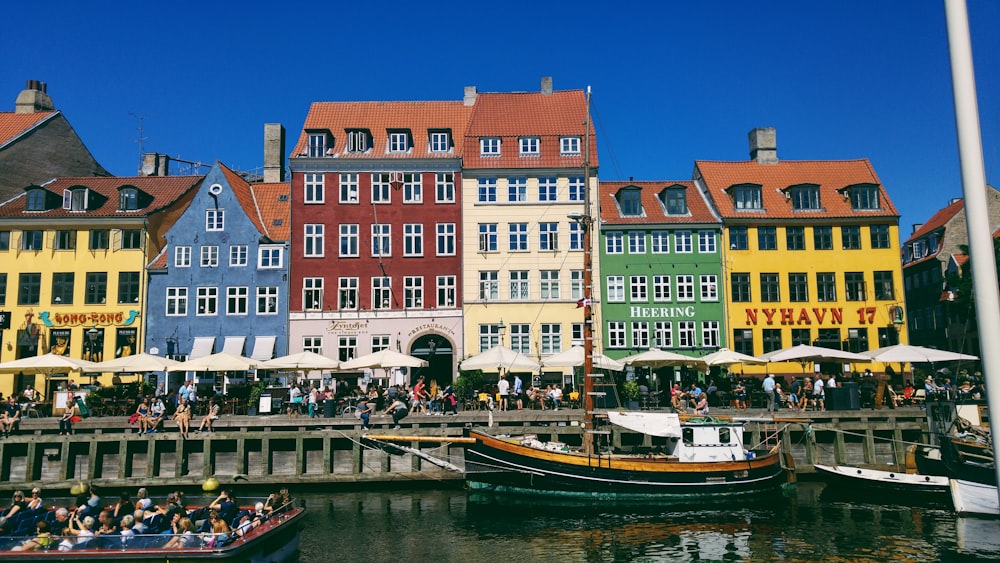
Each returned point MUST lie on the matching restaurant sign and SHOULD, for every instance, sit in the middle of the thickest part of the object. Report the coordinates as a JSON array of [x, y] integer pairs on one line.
[[806, 315]]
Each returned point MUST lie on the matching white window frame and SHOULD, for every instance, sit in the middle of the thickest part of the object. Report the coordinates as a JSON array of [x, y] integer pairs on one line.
[[446, 291], [636, 242], [357, 141], [548, 236], [520, 337], [517, 237], [176, 301], [207, 304], [182, 257], [399, 141], [488, 237], [616, 289], [529, 146], [381, 239], [440, 141], [576, 234], [313, 240], [617, 334], [489, 336], [661, 289], [519, 285], [312, 294], [381, 293], [640, 335], [489, 146], [312, 344], [267, 300], [445, 245], [486, 190], [381, 191], [209, 256], [638, 289], [660, 242], [707, 242], [347, 348], [347, 293], [413, 292], [517, 188], [710, 334], [576, 284], [413, 188], [708, 285], [413, 239], [444, 187], [663, 334], [239, 256], [489, 285], [313, 188], [569, 146], [614, 242], [682, 242], [551, 338], [350, 237], [548, 189], [549, 284], [576, 187], [270, 257], [685, 287], [349, 187], [215, 220], [687, 336], [238, 300]]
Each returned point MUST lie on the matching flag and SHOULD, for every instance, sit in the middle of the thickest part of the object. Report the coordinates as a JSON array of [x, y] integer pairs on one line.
[[584, 302]]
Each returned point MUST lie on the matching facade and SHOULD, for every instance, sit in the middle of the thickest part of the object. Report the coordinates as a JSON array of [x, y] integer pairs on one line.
[[523, 185], [376, 256], [219, 284], [74, 252], [811, 252], [661, 269]]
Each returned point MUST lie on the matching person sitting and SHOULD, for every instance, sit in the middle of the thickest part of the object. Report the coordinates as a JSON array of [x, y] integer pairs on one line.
[[398, 410], [13, 418], [702, 406], [556, 397], [908, 392], [17, 506], [79, 529], [156, 413], [210, 417], [142, 415], [931, 388], [42, 540], [225, 505], [184, 537], [677, 398]]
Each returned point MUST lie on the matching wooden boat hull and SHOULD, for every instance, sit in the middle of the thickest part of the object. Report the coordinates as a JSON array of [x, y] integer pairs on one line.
[[505, 466], [882, 481], [970, 497]]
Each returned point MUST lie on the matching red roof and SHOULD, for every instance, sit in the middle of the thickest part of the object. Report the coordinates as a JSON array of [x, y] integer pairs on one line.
[[164, 190], [261, 203], [938, 220], [13, 125], [377, 117], [830, 175], [653, 210], [512, 115]]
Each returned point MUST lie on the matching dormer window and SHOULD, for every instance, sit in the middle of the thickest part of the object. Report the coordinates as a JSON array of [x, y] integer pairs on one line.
[[489, 146], [128, 198], [75, 199], [569, 146], [440, 140], [804, 197], [319, 143], [529, 146], [399, 140], [863, 196], [747, 196], [358, 140], [629, 201], [675, 200]]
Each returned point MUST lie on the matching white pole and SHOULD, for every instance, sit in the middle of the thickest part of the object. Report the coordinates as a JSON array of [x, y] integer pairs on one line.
[[970, 153]]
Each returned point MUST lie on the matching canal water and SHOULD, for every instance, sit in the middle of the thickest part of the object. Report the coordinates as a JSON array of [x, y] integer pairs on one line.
[[809, 524]]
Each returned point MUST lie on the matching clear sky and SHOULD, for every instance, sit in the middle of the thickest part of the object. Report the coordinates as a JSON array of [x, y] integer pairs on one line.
[[673, 82]]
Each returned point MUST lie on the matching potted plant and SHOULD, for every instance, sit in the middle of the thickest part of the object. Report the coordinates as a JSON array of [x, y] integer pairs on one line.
[[630, 390], [254, 398]]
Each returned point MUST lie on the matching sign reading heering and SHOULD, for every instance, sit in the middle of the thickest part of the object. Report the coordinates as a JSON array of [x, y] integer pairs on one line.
[[662, 312]]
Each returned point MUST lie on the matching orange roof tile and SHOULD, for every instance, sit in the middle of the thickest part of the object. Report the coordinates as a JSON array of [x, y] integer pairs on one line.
[[938, 220], [13, 125], [275, 210], [653, 211], [164, 190], [830, 175], [377, 117], [159, 262]]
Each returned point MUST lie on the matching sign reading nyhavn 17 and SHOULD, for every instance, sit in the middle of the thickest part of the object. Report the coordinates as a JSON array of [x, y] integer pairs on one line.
[[806, 315]]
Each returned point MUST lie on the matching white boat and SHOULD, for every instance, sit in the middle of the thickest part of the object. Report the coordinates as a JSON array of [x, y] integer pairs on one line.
[[974, 498], [883, 480]]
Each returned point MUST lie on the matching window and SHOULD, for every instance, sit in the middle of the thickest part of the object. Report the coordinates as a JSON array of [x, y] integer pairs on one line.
[[795, 238], [131, 239], [313, 240], [884, 286], [801, 336], [616, 334], [706, 242], [128, 199], [686, 334], [100, 239], [3, 288], [348, 188], [270, 257], [31, 240], [880, 236], [675, 200], [489, 146], [575, 236], [767, 238], [770, 290], [317, 145], [237, 300], [613, 243], [748, 197], [358, 140], [446, 291], [444, 187], [128, 287], [97, 288], [569, 146], [413, 292], [743, 341], [709, 285], [36, 200], [347, 294], [630, 203], [636, 242], [738, 239], [519, 285], [576, 334], [381, 239], [215, 220], [804, 197], [517, 188], [616, 289], [381, 188], [267, 300], [640, 335], [399, 141], [551, 338], [440, 141], [638, 289], [347, 348], [518, 237], [208, 301], [348, 241], [826, 286], [823, 238], [740, 283], [381, 292], [487, 190], [529, 146], [576, 188], [710, 334], [489, 337], [850, 236], [182, 257], [685, 287], [62, 288], [682, 242], [177, 301], [663, 334], [413, 239], [380, 342], [446, 239], [549, 284], [854, 286], [65, 240], [413, 188], [798, 287], [865, 196], [312, 294], [520, 338], [548, 236], [209, 256], [489, 285], [576, 284], [312, 344], [661, 288], [888, 336], [315, 190], [238, 256], [547, 189], [487, 237], [660, 242], [771, 338]]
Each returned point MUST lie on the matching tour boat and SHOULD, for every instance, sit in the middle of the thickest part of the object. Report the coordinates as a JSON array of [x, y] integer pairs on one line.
[[882, 481]]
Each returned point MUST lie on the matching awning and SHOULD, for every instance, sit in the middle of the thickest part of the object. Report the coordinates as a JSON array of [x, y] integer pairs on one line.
[[263, 348], [662, 424], [234, 345], [203, 346]]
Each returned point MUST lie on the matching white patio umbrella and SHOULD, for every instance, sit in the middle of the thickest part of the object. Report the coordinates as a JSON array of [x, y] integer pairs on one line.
[[217, 362], [48, 364], [574, 357], [136, 363], [655, 358], [384, 359], [727, 357], [301, 361], [903, 353], [498, 358], [804, 353]]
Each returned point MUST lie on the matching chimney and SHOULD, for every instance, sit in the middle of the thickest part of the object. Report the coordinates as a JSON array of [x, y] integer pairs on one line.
[[764, 145], [916, 227], [155, 164], [546, 85], [470, 96], [274, 153], [33, 98]]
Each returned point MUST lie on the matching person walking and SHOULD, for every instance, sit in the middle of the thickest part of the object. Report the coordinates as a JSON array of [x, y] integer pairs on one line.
[[769, 391]]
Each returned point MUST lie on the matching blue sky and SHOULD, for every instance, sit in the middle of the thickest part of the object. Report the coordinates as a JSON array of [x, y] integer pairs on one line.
[[672, 81]]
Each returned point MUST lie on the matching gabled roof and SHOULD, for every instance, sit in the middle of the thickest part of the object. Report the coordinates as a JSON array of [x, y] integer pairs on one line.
[[653, 211], [938, 220], [510, 115], [832, 176], [262, 204], [162, 192], [14, 125], [377, 117]]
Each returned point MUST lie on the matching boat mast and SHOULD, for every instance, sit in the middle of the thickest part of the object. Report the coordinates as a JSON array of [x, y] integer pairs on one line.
[[587, 223]]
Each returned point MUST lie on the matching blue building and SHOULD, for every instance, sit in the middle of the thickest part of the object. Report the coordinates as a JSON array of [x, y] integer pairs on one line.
[[220, 284]]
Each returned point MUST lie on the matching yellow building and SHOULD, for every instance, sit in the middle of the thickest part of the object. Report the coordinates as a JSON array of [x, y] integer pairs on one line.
[[811, 253], [74, 280]]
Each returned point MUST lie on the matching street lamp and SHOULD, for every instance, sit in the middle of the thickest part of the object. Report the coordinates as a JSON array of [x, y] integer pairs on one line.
[[502, 329]]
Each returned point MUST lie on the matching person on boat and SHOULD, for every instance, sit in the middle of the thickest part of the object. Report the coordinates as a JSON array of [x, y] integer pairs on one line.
[[182, 416], [107, 524], [366, 407], [127, 525], [819, 395], [123, 506], [78, 532], [225, 504], [184, 537], [143, 502], [210, 417], [398, 410], [57, 525], [43, 538], [17, 505]]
